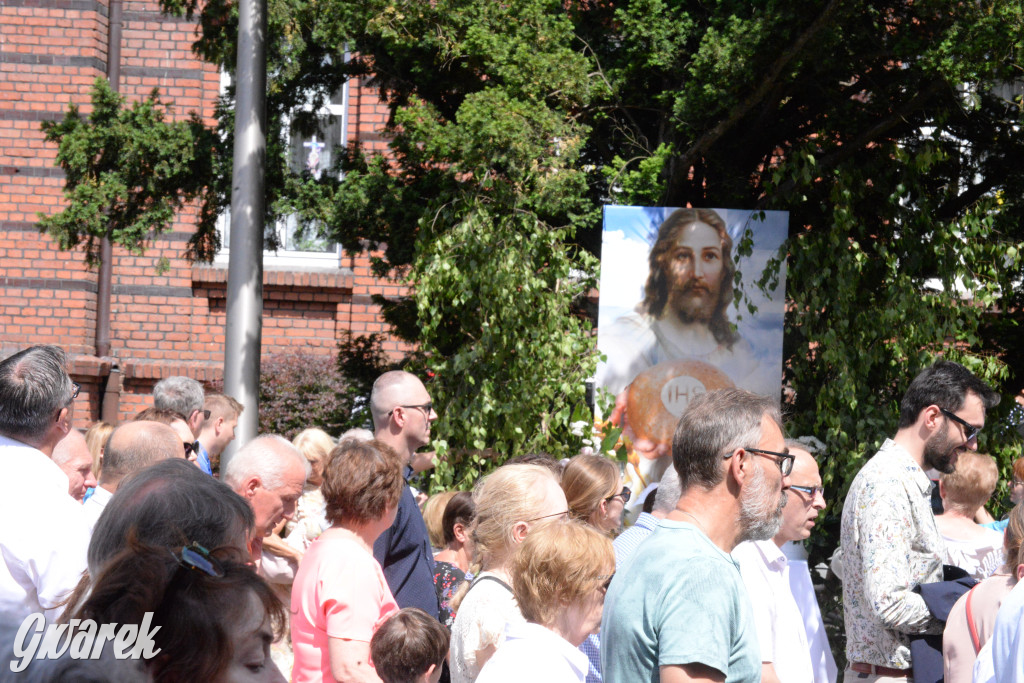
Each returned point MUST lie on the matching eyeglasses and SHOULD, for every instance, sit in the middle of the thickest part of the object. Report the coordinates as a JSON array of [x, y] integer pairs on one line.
[[206, 413], [606, 580], [195, 556], [191, 447], [970, 431], [564, 513], [783, 460], [625, 493], [427, 408], [75, 388], [811, 491]]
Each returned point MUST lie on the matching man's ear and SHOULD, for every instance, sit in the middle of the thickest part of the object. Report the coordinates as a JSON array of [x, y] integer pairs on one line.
[[252, 484], [218, 425], [64, 421], [738, 465], [932, 416]]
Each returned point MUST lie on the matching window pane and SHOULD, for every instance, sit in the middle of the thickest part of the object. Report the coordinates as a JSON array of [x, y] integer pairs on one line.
[[316, 153]]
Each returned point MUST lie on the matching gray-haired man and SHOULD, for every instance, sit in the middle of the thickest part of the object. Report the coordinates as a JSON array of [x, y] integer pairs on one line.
[[45, 536]]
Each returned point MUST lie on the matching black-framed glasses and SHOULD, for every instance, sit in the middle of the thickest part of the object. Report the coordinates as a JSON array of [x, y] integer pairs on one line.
[[196, 557], [811, 491], [191, 447], [75, 388], [970, 431], [427, 408], [206, 413], [563, 513], [624, 494], [783, 460]]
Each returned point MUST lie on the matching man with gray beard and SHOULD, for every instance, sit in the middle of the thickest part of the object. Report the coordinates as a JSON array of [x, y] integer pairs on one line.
[[679, 610]]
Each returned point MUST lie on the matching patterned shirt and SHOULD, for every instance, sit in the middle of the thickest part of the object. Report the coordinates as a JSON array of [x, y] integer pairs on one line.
[[890, 544]]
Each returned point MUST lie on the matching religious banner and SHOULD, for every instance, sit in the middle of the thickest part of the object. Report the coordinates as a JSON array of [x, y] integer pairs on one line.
[[681, 314]]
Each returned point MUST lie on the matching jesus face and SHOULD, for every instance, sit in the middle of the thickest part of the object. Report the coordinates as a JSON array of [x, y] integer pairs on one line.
[[693, 266]]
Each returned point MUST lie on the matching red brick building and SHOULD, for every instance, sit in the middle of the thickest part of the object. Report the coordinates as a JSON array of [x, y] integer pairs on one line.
[[161, 324]]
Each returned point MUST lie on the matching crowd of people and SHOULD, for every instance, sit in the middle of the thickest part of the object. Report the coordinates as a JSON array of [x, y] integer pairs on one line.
[[312, 559]]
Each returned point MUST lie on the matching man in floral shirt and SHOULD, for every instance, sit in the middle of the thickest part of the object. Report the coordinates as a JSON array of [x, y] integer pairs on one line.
[[889, 539]]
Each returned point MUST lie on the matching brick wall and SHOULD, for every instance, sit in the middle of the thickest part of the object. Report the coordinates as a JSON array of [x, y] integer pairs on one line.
[[161, 323]]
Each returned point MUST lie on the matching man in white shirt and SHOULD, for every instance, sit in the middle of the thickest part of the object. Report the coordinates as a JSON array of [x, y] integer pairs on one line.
[[132, 447], [43, 547], [785, 653]]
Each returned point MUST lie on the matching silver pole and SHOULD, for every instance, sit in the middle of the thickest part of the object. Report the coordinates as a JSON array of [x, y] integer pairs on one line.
[[245, 263]]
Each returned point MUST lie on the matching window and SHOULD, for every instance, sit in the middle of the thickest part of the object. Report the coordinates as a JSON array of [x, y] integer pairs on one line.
[[315, 153]]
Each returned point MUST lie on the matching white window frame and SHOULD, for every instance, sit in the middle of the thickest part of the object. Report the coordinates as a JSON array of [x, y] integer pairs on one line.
[[282, 257]]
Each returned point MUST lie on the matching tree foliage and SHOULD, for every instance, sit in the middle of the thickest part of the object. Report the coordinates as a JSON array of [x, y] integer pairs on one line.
[[889, 130], [128, 171]]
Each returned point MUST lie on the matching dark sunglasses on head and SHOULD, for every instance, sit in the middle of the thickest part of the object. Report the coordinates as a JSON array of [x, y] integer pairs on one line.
[[191, 447]]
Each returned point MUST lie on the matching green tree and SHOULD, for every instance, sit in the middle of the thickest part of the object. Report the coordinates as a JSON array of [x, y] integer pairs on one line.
[[886, 129], [128, 171]]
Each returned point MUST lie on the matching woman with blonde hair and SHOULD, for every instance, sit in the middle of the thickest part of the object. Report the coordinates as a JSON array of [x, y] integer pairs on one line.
[[972, 619], [595, 492], [433, 511], [560, 575], [308, 521], [970, 546], [96, 438], [510, 503]]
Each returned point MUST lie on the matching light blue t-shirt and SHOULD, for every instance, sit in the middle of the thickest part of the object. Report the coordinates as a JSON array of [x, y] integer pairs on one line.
[[678, 600]]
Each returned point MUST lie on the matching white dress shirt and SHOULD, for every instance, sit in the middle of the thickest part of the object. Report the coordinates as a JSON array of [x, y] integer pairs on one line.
[[822, 661], [93, 507], [780, 628], [45, 538]]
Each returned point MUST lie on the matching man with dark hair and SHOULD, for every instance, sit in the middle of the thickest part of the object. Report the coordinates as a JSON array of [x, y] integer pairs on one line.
[[45, 536], [679, 611], [132, 446], [402, 415], [218, 429], [888, 535], [683, 314], [184, 396]]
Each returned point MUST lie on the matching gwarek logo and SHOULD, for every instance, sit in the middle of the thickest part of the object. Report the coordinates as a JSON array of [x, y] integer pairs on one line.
[[81, 639]]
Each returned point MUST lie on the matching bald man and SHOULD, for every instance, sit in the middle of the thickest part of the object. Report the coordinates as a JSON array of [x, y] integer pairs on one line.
[[402, 416], [785, 651], [132, 447], [72, 455]]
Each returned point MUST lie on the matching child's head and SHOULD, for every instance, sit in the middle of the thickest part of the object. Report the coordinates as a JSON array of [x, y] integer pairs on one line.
[[409, 647]]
